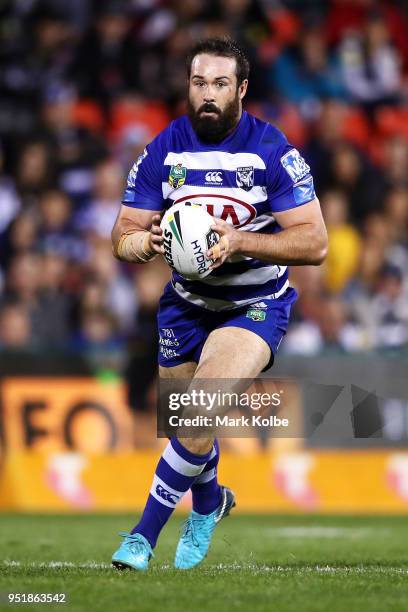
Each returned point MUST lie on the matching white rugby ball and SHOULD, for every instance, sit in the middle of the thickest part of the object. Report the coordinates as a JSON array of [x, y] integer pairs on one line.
[[187, 237]]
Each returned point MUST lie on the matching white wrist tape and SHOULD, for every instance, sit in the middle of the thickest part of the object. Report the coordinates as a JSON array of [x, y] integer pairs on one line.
[[134, 246]]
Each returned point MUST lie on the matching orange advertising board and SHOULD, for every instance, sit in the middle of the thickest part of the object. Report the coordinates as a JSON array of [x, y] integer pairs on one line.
[[69, 445], [298, 481], [60, 414]]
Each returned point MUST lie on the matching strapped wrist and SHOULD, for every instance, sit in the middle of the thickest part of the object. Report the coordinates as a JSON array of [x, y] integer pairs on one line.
[[134, 246], [146, 246]]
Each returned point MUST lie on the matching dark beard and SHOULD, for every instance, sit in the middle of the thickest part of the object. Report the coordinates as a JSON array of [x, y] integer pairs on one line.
[[214, 130]]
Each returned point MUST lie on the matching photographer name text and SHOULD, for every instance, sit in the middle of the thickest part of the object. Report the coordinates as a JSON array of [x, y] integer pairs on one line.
[[227, 421]]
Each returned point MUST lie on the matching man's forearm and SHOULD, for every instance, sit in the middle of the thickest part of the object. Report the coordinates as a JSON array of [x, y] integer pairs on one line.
[[298, 245], [133, 246]]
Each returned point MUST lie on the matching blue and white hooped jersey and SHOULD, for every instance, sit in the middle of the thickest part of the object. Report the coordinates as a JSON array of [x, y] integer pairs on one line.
[[243, 180]]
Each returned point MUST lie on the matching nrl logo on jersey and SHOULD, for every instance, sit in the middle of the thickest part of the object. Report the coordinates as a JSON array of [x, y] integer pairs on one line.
[[245, 177], [256, 314], [177, 176]]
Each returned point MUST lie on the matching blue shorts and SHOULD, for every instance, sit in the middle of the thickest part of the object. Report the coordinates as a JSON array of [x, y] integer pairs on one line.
[[184, 328]]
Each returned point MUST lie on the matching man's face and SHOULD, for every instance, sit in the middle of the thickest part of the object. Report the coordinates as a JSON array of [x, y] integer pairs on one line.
[[214, 98]]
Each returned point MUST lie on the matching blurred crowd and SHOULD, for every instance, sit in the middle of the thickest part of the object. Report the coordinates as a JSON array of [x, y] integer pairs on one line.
[[86, 84]]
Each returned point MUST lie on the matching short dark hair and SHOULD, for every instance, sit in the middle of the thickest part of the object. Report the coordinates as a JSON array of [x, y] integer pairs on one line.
[[222, 47]]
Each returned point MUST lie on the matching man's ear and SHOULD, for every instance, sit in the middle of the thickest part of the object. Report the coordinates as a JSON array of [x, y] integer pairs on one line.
[[243, 88]]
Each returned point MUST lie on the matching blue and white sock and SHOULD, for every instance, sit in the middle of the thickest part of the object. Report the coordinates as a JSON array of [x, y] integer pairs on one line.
[[175, 473], [206, 491]]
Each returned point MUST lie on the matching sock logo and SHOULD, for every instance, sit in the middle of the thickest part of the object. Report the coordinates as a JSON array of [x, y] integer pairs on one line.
[[164, 494]]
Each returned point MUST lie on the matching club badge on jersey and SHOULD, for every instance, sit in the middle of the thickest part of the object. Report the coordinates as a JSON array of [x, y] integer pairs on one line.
[[245, 177]]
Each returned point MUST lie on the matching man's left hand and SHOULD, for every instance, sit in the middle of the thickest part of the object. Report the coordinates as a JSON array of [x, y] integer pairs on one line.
[[228, 244]]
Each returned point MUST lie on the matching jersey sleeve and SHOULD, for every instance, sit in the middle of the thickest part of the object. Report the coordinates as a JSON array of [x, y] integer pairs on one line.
[[289, 182], [144, 182]]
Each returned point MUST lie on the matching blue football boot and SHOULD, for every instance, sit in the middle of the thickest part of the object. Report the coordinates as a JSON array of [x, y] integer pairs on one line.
[[134, 552], [197, 532]]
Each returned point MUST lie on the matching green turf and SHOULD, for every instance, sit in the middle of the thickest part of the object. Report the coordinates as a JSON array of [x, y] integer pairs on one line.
[[280, 563]]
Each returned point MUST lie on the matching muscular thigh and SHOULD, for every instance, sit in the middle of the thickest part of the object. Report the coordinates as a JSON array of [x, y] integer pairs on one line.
[[233, 352], [183, 370], [199, 445], [229, 352]]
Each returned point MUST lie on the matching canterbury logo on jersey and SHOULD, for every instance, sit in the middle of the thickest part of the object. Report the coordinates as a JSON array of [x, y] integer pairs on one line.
[[213, 177], [170, 497]]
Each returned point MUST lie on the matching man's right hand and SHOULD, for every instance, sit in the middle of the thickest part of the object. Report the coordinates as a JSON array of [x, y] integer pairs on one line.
[[156, 236]]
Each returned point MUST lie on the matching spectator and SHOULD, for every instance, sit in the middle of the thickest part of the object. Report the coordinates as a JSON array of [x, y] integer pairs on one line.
[[36, 52], [15, 328], [23, 277], [52, 311], [389, 310], [344, 242], [337, 333], [361, 293], [371, 65], [55, 233], [351, 15], [10, 203], [396, 162], [99, 340], [76, 149], [119, 292], [396, 210], [105, 65], [307, 73], [349, 172], [35, 171], [330, 330], [98, 217]]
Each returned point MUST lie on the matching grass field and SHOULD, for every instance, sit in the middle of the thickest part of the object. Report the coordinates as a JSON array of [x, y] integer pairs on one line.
[[256, 563]]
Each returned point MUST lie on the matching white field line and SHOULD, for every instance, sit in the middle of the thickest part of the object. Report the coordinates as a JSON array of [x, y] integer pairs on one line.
[[320, 532], [223, 567], [56, 565], [310, 569]]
